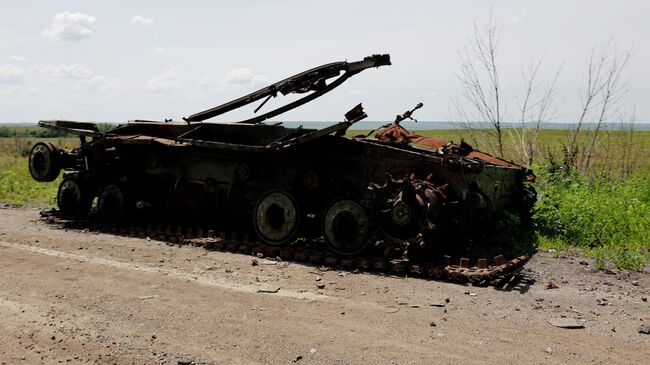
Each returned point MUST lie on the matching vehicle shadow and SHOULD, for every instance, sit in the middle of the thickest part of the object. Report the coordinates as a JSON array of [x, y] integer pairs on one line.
[[517, 282]]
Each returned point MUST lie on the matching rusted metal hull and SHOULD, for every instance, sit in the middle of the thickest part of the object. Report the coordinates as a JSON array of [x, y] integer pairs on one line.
[[397, 195]]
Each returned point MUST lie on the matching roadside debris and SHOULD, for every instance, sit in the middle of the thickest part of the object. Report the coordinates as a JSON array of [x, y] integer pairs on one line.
[[565, 322], [550, 285], [437, 304], [145, 297], [645, 329]]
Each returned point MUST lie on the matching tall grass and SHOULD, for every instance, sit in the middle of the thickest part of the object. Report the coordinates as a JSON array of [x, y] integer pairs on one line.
[[18, 187], [16, 183], [606, 218]]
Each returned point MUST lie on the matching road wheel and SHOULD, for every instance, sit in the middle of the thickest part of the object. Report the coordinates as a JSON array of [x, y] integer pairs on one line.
[[44, 164], [276, 217], [113, 203], [346, 227], [73, 199]]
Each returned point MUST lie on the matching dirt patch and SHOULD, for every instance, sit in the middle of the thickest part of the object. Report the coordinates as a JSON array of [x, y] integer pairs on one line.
[[97, 298]]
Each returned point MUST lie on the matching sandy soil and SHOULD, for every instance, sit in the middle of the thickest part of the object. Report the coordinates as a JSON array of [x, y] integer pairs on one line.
[[75, 297]]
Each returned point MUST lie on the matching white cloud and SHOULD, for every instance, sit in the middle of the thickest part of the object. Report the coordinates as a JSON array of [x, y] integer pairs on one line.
[[163, 83], [84, 77], [12, 75], [141, 20], [6, 31], [244, 77], [101, 83], [74, 71], [210, 85], [237, 79], [67, 26], [18, 91], [159, 50], [15, 58]]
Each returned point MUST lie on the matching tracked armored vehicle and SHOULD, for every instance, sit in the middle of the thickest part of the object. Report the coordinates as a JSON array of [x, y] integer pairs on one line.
[[389, 194]]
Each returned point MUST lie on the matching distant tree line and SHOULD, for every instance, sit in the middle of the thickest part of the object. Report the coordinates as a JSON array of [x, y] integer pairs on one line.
[[37, 132]]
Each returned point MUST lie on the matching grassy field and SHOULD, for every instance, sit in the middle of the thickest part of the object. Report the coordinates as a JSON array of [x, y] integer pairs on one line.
[[16, 184], [615, 145], [607, 217]]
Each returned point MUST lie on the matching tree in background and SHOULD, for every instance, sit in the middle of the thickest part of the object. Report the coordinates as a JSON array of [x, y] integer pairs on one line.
[[479, 78], [536, 107], [482, 101], [601, 100]]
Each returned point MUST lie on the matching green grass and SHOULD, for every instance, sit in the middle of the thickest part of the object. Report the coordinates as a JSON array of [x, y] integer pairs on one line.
[[16, 183], [607, 219], [18, 187]]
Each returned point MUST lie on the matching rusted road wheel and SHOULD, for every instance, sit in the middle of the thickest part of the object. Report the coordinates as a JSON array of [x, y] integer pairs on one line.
[[73, 199], [346, 226], [113, 203], [276, 217], [44, 164]]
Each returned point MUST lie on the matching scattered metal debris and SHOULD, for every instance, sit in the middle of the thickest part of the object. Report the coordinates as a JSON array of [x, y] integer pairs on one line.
[[565, 322], [645, 329]]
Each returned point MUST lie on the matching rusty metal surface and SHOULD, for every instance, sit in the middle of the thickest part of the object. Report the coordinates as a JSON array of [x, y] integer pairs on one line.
[[314, 80], [77, 128], [398, 134]]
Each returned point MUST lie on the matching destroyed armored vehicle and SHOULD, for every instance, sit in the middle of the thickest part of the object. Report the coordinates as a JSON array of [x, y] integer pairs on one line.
[[389, 187]]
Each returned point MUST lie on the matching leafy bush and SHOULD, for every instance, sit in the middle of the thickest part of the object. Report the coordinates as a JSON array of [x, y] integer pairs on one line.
[[607, 218]]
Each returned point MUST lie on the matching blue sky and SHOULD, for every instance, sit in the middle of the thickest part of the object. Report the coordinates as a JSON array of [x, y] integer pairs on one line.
[[118, 60]]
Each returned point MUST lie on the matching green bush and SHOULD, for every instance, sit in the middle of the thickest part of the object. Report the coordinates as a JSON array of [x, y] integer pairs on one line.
[[605, 217]]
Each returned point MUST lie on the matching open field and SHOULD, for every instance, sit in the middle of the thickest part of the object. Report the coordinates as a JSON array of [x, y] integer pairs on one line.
[[551, 140]]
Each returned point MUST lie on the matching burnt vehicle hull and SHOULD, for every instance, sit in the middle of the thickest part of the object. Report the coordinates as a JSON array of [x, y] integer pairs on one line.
[[405, 195]]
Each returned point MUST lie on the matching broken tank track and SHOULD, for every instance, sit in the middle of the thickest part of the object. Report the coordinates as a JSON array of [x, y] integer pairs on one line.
[[310, 252]]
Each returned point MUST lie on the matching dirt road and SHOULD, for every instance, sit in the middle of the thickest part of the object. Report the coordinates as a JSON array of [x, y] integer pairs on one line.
[[75, 297]]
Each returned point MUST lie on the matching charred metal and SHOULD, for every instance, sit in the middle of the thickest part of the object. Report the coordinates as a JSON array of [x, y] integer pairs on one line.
[[409, 196]]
